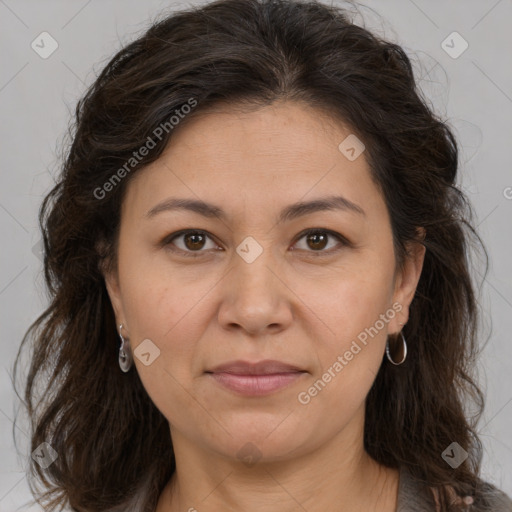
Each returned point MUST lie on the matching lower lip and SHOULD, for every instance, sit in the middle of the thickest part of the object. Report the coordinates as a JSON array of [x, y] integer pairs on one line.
[[256, 385]]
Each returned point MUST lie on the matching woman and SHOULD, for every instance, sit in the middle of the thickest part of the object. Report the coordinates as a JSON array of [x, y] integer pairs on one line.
[[260, 291]]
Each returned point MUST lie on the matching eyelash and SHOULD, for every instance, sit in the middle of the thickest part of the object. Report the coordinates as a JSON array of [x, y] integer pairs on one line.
[[194, 254]]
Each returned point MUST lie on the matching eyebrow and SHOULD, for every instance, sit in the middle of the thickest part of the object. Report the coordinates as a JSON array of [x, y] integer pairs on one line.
[[289, 213]]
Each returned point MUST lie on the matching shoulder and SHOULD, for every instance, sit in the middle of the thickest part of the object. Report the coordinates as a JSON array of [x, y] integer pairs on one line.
[[490, 498], [414, 496]]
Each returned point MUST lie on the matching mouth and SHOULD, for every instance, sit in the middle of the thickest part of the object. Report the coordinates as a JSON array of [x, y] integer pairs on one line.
[[255, 379]]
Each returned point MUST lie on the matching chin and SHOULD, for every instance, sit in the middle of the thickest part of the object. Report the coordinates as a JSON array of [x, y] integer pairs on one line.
[[263, 437]]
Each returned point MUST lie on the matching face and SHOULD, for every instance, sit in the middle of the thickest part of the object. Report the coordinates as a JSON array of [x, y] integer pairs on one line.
[[314, 289]]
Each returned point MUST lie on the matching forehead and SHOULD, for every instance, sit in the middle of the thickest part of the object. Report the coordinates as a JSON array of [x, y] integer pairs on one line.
[[284, 152], [280, 128]]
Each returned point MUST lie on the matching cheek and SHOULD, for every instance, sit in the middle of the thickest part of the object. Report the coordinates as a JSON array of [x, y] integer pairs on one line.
[[171, 310], [349, 358], [355, 310], [165, 314], [156, 298], [169, 318], [351, 300]]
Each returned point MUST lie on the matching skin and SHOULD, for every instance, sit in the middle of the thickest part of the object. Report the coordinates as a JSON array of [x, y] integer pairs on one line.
[[289, 304]]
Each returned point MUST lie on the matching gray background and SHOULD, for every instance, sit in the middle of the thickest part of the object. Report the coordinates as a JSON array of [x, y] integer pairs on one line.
[[474, 91]]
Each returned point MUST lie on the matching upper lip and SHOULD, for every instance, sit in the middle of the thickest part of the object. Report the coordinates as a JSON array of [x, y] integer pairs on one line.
[[265, 367]]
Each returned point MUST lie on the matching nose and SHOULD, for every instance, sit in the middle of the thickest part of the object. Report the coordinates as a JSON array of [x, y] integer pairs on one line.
[[255, 296]]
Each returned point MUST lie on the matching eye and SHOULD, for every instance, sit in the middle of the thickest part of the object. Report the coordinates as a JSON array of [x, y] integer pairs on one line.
[[193, 240], [317, 240]]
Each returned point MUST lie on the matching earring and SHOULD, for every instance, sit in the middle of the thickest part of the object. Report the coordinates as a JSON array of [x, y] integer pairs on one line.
[[404, 351], [125, 353]]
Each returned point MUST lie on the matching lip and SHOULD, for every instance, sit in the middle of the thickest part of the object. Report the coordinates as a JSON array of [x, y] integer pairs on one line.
[[255, 379], [264, 367]]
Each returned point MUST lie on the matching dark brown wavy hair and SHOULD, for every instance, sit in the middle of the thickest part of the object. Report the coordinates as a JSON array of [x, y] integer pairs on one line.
[[110, 438]]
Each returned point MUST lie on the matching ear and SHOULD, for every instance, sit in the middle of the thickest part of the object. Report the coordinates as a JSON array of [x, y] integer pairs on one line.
[[407, 280], [114, 292], [111, 276]]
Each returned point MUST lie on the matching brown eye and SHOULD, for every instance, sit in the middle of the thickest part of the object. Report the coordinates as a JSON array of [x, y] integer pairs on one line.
[[194, 241], [318, 239], [189, 242]]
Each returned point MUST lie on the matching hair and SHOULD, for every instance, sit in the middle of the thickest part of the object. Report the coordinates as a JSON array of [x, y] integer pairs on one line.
[[250, 54]]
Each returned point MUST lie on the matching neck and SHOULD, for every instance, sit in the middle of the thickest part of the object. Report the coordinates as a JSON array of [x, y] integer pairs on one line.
[[338, 475]]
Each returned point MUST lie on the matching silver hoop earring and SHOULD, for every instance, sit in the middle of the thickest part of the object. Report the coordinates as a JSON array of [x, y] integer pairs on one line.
[[404, 351], [125, 353]]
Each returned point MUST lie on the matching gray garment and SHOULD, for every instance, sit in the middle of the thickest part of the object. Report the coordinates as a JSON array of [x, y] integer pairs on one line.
[[415, 497], [412, 497]]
